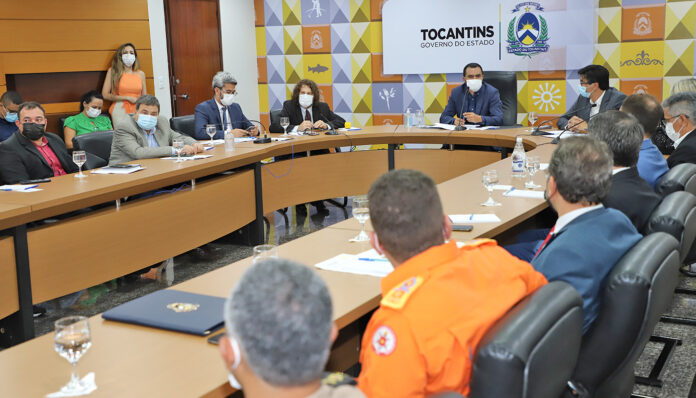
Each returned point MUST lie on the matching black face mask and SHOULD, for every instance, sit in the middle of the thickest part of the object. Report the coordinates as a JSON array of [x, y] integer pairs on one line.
[[33, 131]]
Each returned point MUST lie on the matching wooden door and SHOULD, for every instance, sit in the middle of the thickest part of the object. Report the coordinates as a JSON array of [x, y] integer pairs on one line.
[[195, 55]]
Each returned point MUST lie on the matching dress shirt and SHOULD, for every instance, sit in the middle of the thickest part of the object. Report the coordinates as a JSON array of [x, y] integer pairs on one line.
[[50, 157], [595, 110], [224, 115], [471, 101], [679, 141], [618, 170], [6, 129], [572, 215], [651, 164]]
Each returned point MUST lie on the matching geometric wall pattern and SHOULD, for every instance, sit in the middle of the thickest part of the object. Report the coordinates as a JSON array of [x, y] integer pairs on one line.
[[647, 45]]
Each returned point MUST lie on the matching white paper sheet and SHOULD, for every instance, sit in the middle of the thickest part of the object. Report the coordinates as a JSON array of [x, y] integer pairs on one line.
[[523, 193], [363, 264], [116, 170], [473, 218], [20, 188], [194, 157]]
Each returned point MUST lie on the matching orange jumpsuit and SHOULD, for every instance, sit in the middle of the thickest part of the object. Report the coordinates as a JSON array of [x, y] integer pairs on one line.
[[436, 307]]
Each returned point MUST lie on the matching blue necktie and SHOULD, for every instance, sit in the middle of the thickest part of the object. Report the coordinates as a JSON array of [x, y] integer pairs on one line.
[[225, 121]]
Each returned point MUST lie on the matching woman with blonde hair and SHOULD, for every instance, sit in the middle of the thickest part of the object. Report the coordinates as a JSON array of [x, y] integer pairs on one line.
[[125, 81]]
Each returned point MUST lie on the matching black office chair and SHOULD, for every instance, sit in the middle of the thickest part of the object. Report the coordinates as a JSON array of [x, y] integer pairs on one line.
[[275, 117], [681, 177], [636, 293], [506, 83], [676, 215], [97, 145], [531, 351], [184, 124]]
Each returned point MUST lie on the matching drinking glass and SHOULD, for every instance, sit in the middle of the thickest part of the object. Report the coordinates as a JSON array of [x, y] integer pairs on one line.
[[210, 129], [79, 157], [420, 118], [71, 341], [284, 123], [490, 179], [361, 212], [532, 165], [532, 117], [178, 146], [262, 252]]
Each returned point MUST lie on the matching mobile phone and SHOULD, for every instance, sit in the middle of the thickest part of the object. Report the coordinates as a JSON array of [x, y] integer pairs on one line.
[[37, 181], [462, 227], [215, 339]]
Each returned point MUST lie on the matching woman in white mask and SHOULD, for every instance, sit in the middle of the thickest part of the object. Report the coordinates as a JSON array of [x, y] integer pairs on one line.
[[125, 81], [88, 120]]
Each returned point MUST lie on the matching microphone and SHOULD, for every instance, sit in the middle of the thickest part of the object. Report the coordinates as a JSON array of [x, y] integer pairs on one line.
[[266, 139], [461, 112], [537, 130], [558, 139], [331, 130]]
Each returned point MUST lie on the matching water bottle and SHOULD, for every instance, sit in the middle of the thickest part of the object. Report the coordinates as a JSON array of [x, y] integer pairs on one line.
[[409, 118], [229, 138], [518, 159]]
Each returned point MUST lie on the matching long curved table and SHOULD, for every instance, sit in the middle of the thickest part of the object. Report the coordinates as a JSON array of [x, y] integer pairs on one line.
[[91, 248]]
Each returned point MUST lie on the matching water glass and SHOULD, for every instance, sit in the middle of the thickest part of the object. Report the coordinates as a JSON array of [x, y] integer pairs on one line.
[[361, 212], [490, 179], [262, 252], [420, 118], [532, 165], [210, 129], [284, 123], [71, 341], [178, 146], [532, 117], [79, 157]]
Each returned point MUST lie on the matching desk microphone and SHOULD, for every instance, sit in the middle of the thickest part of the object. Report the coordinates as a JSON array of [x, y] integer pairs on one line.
[[558, 139], [331, 130], [459, 127], [537, 130], [266, 139]]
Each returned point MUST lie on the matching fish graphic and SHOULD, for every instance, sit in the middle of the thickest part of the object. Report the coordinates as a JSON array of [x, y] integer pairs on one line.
[[317, 69]]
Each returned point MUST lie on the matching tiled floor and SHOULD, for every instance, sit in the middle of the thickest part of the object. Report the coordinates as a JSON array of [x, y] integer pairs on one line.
[[678, 376]]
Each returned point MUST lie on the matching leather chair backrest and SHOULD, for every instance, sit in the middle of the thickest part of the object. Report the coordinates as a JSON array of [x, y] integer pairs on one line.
[[506, 83], [636, 293], [681, 177], [96, 144], [184, 125], [531, 351], [275, 117], [676, 215]]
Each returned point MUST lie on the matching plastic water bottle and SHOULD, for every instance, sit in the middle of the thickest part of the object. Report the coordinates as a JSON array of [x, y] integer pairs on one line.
[[229, 138], [409, 118], [518, 159]]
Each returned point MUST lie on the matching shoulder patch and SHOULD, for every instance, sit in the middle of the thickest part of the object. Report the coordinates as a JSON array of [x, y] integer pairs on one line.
[[477, 243], [384, 341], [398, 296]]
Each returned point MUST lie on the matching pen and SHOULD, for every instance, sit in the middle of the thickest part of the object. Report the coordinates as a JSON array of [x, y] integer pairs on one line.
[[209, 148], [511, 189], [372, 259], [472, 217]]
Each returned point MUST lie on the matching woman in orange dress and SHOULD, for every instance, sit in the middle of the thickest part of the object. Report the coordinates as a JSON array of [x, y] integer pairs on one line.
[[125, 81]]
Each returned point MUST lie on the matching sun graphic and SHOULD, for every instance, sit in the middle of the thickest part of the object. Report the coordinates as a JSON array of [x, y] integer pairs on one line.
[[547, 97]]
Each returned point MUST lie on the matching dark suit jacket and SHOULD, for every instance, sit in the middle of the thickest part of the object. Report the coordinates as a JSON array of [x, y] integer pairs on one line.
[[20, 160], [584, 252], [320, 111], [633, 196], [613, 99], [488, 105], [685, 152], [208, 113]]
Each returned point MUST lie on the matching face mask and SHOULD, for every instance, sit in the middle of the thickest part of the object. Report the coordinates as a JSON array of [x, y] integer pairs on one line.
[[671, 133], [474, 84], [33, 131], [237, 359], [11, 116], [227, 99], [147, 122], [128, 59], [306, 100], [93, 112], [583, 91]]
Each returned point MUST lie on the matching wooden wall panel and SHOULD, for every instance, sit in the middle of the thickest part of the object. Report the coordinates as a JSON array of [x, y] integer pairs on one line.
[[76, 9], [67, 61]]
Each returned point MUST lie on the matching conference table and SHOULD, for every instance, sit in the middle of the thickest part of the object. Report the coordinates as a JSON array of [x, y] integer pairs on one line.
[[227, 191]]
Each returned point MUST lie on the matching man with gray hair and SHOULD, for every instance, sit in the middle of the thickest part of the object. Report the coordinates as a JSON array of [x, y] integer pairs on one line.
[[221, 111], [145, 134], [680, 116], [588, 239], [629, 192], [279, 333]]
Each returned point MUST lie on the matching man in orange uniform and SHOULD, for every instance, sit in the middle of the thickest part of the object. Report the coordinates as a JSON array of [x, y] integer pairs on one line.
[[440, 299]]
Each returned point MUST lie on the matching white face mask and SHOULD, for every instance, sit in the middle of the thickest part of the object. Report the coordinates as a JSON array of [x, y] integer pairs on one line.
[[93, 112], [306, 100], [474, 84], [237, 359], [671, 133], [227, 99], [128, 59]]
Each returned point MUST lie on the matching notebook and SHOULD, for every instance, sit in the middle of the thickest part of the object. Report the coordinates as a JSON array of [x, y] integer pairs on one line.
[[172, 310]]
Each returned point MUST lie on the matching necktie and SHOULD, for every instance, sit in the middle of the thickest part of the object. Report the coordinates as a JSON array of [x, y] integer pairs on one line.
[[225, 120], [545, 242], [307, 115]]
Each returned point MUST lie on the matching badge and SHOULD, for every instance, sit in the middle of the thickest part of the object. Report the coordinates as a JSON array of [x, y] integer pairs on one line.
[[183, 307], [384, 341]]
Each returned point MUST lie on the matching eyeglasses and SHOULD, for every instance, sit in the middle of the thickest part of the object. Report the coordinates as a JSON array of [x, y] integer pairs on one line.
[[584, 83]]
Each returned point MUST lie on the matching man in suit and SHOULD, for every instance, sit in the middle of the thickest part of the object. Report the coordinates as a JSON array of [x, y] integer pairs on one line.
[[588, 239], [221, 110], [32, 153], [145, 134], [647, 109], [474, 102], [9, 104], [279, 333], [306, 111], [594, 90], [680, 116], [629, 192]]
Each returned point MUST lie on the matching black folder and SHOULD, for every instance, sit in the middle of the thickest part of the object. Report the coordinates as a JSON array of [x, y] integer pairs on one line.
[[172, 310]]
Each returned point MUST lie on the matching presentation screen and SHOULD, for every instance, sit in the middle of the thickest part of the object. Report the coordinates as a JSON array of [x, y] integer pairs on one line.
[[441, 36]]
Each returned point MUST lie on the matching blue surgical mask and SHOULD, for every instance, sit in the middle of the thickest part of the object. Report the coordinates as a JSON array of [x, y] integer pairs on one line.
[[147, 122], [583, 91], [11, 117]]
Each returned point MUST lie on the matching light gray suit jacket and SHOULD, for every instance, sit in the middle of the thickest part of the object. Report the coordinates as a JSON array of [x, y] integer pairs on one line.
[[130, 142]]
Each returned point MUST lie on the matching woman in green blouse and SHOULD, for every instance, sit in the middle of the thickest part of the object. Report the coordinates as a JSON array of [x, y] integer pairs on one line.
[[88, 120]]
